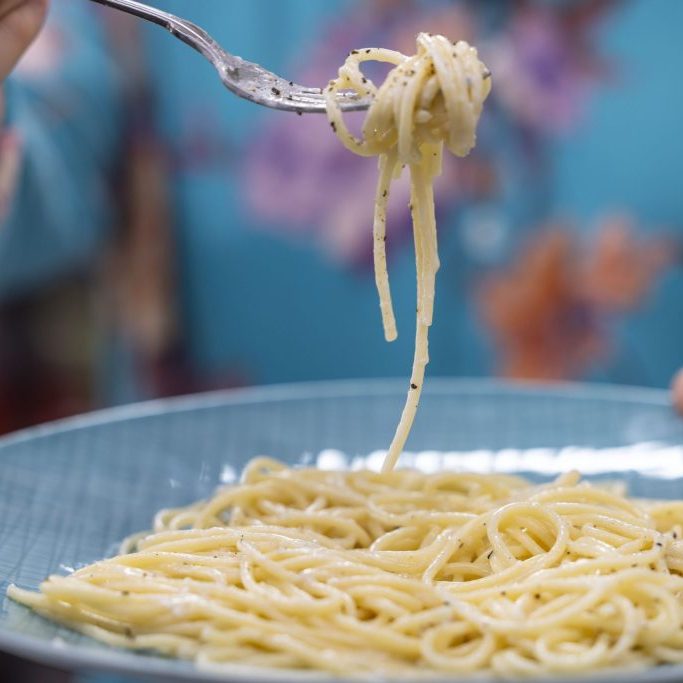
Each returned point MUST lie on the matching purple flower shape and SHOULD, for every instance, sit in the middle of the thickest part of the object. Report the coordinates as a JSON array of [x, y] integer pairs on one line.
[[545, 65]]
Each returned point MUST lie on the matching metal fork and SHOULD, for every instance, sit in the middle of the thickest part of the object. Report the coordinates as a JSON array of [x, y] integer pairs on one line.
[[245, 79]]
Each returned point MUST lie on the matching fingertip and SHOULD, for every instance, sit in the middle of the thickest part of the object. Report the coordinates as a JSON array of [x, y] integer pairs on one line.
[[677, 392]]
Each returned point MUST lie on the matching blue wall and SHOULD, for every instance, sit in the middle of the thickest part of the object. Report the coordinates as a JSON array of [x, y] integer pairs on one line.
[[628, 154]]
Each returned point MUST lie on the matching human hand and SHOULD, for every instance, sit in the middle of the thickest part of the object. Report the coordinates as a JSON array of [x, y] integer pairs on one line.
[[20, 21]]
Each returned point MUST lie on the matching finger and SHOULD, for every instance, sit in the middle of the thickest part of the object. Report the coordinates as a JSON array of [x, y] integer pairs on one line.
[[18, 28], [677, 392]]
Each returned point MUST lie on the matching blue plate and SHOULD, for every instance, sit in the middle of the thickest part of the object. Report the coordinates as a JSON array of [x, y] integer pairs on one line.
[[70, 491]]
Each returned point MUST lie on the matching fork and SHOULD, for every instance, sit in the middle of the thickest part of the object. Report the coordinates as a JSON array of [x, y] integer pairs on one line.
[[245, 79]]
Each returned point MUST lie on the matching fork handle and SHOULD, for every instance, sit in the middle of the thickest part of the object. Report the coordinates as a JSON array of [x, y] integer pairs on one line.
[[141, 10], [189, 33]]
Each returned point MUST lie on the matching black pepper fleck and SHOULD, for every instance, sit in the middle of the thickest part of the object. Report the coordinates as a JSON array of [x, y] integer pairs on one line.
[[413, 386], [275, 91]]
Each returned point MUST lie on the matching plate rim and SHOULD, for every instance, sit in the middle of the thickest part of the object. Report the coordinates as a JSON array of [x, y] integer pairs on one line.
[[337, 388]]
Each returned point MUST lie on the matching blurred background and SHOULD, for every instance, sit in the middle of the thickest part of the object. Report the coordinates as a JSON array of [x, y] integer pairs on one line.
[[159, 236]]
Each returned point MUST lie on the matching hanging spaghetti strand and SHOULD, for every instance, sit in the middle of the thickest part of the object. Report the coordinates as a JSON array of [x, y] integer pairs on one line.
[[429, 100]]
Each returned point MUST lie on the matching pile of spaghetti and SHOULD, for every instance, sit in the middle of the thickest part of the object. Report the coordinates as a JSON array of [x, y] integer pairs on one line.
[[386, 572]]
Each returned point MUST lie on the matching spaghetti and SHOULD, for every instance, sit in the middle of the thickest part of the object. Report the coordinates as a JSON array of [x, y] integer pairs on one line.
[[398, 571], [430, 99], [392, 573]]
